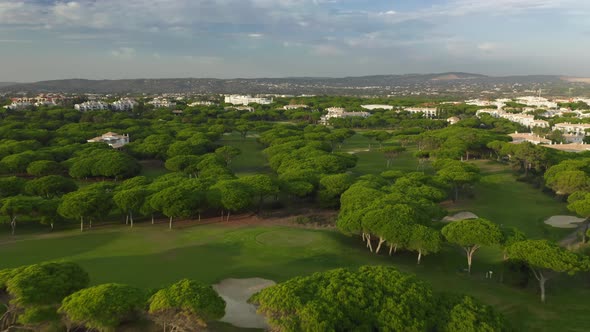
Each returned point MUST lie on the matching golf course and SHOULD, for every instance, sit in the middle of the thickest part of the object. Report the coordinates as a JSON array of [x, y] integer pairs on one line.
[[275, 248]]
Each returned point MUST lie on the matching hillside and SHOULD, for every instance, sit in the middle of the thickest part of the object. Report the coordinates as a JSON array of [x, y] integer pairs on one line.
[[454, 82]]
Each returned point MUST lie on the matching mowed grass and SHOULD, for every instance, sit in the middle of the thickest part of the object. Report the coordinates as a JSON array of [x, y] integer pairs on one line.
[[507, 202], [251, 160], [151, 256], [372, 161]]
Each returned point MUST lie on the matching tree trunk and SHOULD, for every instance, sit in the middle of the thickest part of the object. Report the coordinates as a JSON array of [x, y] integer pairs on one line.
[[470, 252], [369, 242], [13, 224], [221, 214], [89, 223], [363, 236], [584, 238], [419, 255], [456, 193], [542, 287], [152, 218], [127, 219], [228, 213], [81, 224], [170, 223], [131, 218], [381, 240], [51, 224], [390, 249], [199, 215], [388, 162]]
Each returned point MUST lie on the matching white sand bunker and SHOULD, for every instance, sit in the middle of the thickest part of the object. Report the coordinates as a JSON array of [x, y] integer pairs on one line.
[[236, 293], [564, 221], [460, 216]]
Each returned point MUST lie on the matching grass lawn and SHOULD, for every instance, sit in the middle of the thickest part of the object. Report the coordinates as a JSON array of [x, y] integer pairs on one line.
[[251, 160], [374, 162], [151, 256], [503, 200]]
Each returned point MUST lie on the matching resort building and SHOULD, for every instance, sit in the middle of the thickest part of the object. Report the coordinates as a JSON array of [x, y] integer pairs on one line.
[[245, 100], [114, 140]]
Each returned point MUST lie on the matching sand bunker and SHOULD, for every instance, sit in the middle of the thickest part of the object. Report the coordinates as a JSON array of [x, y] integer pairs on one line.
[[460, 216], [236, 293], [564, 221]]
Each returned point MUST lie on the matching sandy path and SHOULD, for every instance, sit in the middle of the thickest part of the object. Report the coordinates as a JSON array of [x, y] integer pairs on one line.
[[236, 293]]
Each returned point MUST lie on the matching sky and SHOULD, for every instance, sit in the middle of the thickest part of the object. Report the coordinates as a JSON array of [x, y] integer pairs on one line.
[[114, 39]]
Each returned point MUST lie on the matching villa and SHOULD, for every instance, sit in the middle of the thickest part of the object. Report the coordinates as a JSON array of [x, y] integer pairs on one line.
[[114, 140]]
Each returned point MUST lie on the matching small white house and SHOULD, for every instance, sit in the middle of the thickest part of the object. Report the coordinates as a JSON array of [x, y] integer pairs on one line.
[[114, 140]]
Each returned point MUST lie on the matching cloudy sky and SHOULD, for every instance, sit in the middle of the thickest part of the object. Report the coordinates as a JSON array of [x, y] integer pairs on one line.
[[99, 39]]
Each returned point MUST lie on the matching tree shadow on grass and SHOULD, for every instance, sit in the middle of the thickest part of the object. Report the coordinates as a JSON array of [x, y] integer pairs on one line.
[[207, 263], [25, 252]]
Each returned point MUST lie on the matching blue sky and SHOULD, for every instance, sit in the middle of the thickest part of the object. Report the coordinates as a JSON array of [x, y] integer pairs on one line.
[[102, 39]]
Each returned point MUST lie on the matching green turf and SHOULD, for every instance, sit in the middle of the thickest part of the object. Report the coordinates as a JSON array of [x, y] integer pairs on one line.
[[502, 199], [251, 160], [372, 161], [151, 256]]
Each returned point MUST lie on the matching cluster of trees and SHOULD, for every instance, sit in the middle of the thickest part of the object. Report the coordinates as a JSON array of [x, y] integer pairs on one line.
[[398, 210], [394, 209], [374, 298], [302, 158], [570, 178], [56, 295], [457, 142]]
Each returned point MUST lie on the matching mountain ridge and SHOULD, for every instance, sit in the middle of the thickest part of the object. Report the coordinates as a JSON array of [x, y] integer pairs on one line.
[[282, 85]]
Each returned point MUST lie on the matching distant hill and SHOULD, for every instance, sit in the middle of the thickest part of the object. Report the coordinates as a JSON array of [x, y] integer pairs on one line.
[[3, 84], [375, 84]]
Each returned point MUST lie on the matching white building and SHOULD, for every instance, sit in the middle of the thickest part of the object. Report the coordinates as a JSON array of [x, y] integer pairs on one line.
[[294, 107], [201, 103], [526, 120], [240, 108], [114, 140], [478, 102], [161, 103], [493, 112], [452, 120], [528, 137], [377, 107], [339, 112], [574, 138], [572, 128], [538, 102], [125, 104], [245, 100], [18, 105], [91, 106], [428, 112]]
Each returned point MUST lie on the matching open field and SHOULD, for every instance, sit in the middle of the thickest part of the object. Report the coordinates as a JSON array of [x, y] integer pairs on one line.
[[251, 160], [372, 161], [151, 256], [503, 200]]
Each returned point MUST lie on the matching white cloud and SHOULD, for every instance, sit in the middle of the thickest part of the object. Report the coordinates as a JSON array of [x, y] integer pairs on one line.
[[124, 53], [488, 47], [326, 50], [255, 35]]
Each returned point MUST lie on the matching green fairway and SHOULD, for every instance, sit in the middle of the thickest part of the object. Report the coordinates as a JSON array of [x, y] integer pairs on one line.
[[373, 161], [251, 160], [505, 201], [151, 256]]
